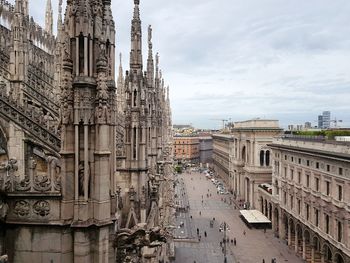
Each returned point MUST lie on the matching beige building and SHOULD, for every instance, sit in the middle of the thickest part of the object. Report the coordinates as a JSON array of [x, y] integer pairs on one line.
[[250, 157], [310, 197], [222, 144]]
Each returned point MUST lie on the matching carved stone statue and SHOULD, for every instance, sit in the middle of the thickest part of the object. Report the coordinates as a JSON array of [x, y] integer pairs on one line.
[[3, 208]]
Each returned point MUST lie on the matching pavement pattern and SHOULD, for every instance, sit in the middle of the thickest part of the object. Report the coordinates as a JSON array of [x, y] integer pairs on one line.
[[252, 245]]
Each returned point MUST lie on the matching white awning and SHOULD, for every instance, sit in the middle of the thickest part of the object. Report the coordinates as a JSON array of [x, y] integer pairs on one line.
[[254, 217]]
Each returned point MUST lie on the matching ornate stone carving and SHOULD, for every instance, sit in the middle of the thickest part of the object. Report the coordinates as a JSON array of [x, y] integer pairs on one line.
[[41, 208], [21, 208], [23, 185], [42, 183]]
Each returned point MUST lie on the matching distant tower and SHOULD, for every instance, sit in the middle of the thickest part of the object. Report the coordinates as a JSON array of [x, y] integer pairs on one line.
[[49, 18], [88, 129]]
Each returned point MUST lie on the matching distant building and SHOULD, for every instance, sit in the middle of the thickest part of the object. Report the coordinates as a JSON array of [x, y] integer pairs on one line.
[[186, 148], [307, 125], [222, 143], [205, 150], [324, 120]]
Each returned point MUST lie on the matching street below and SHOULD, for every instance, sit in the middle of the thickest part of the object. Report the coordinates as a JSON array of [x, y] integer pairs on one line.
[[201, 203]]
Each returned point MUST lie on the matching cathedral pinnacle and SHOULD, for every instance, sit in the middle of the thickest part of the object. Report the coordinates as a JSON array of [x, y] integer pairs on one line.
[[136, 39], [49, 18], [150, 63]]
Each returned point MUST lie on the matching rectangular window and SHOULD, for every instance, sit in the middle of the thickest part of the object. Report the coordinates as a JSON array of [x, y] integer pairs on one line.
[[292, 159], [299, 160], [299, 177], [328, 188], [328, 167], [285, 172], [316, 217], [291, 174], [307, 211], [308, 180], [326, 223], [317, 184], [340, 171], [299, 206], [285, 157], [340, 192], [317, 165], [308, 163], [285, 198], [291, 202], [339, 231]]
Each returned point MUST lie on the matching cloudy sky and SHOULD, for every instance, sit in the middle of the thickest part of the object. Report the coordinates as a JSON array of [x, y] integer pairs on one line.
[[242, 59]]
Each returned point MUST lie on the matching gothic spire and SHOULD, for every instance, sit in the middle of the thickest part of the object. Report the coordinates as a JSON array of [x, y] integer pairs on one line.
[[136, 39], [59, 18], [150, 62], [120, 76], [49, 17]]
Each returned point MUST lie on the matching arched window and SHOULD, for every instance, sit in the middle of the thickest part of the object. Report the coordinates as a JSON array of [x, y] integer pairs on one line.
[[262, 153], [267, 158]]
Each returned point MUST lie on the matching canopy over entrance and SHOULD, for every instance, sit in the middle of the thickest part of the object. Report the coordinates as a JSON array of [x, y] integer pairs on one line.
[[255, 218]]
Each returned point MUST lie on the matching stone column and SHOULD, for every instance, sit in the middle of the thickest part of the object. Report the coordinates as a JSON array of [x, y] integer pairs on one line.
[[304, 247], [289, 235], [322, 257], [296, 241], [86, 161], [312, 254], [76, 162]]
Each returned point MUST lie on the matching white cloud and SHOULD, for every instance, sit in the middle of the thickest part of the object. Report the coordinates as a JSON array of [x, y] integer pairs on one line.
[[243, 59]]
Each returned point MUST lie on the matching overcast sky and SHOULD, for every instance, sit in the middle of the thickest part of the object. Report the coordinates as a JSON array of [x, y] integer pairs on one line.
[[242, 59]]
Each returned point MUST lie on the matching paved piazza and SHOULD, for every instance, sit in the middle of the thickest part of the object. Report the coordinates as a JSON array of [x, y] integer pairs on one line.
[[252, 247]]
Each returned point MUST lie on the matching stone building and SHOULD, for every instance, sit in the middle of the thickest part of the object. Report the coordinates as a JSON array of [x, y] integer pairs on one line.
[[82, 164], [250, 158], [186, 149], [310, 197], [222, 143]]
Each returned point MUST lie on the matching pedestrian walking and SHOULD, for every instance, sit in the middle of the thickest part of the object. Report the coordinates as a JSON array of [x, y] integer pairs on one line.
[[244, 232], [205, 233], [200, 213], [265, 230], [220, 244], [197, 231], [234, 242], [263, 261]]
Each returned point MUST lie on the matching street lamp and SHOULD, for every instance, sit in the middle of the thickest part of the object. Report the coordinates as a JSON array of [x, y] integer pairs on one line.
[[224, 227]]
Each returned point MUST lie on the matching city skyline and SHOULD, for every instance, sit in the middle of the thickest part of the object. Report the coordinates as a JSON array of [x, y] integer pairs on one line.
[[225, 59]]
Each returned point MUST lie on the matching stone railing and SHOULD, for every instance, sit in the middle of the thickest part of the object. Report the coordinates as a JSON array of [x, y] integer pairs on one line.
[[31, 121], [32, 183]]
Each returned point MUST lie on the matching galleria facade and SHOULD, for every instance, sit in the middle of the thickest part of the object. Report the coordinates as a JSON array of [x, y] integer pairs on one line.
[[85, 159], [299, 183]]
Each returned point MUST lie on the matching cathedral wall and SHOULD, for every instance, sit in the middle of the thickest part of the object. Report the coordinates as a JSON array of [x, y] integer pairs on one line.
[[39, 244]]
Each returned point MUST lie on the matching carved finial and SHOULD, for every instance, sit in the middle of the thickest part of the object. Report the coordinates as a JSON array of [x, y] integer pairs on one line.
[[136, 2]]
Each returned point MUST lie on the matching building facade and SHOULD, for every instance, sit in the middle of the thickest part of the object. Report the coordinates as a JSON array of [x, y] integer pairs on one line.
[[250, 158], [205, 150], [186, 149], [310, 197], [222, 143], [83, 164]]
